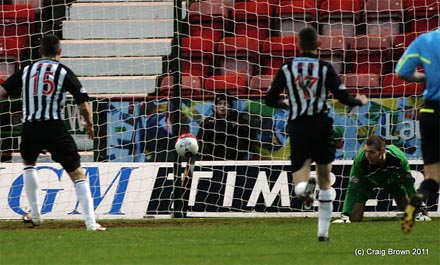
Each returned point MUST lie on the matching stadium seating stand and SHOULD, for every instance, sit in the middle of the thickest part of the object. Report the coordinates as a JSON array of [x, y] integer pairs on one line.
[[252, 19], [292, 16], [259, 84], [393, 86], [232, 84], [197, 56], [237, 55], [190, 86], [275, 51], [208, 19]]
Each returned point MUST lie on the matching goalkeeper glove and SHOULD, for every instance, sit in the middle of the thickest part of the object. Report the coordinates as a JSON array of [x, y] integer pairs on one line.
[[420, 217], [345, 219]]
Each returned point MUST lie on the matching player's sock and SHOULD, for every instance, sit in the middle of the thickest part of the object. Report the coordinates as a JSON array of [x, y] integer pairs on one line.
[[84, 195], [30, 179], [428, 187], [325, 212]]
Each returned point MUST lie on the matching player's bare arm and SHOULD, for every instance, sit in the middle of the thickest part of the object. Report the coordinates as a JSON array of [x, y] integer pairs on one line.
[[3, 91], [362, 98], [86, 113], [418, 77]]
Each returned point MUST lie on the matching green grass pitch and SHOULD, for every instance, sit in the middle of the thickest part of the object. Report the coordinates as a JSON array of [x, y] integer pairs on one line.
[[220, 241]]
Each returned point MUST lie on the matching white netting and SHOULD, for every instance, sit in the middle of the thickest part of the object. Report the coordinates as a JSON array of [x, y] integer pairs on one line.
[[125, 55]]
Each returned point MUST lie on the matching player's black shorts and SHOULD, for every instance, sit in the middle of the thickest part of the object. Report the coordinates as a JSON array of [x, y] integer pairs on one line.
[[53, 137], [311, 137], [430, 132]]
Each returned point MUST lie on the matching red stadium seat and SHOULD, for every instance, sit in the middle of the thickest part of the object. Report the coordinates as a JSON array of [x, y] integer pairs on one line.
[[361, 4], [16, 21], [294, 15], [275, 51], [237, 55], [423, 15], [228, 3], [271, 2], [252, 19], [233, 84], [367, 84], [368, 54], [332, 49], [400, 43], [339, 17], [361, 80], [37, 5], [197, 56], [190, 86], [207, 19], [384, 8], [384, 17], [393, 86], [259, 84], [339, 9]]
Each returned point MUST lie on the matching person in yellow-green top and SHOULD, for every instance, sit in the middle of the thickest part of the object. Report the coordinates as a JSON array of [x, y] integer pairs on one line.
[[377, 165]]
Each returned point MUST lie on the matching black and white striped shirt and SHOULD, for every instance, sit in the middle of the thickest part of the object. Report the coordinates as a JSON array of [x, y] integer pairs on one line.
[[43, 86], [308, 81]]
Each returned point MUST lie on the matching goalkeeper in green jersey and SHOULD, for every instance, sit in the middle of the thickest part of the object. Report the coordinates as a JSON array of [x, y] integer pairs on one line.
[[377, 165]]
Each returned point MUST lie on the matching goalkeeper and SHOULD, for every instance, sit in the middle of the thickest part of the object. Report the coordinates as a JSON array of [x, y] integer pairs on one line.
[[377, 166]]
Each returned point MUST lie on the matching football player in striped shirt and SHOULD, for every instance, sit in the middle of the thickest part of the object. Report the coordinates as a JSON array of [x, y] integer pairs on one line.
[[308, 82], [43, 86]]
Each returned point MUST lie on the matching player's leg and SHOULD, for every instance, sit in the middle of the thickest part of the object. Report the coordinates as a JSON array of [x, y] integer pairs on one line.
[[358, 212], [301, 161], [401, 192], [410, 212], [82, 188], [402, 202], [65, 152], [302, 174], [326, 197], [323, 149], [304, 185], [430, 134], [430, 185], [30, 183], [30, 149]]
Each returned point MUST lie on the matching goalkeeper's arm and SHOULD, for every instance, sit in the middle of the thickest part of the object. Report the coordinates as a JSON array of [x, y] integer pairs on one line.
[[408, 182], [349, 202]]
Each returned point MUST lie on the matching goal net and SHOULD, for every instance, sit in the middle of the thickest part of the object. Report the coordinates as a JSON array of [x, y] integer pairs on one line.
[[154, 70]]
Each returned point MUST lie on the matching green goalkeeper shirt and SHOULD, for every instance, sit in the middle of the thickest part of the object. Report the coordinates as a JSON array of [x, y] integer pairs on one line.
[[395, 170], [394, 175]]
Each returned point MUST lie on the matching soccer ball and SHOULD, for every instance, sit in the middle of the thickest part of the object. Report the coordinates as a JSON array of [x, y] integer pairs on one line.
[[186, 145]]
